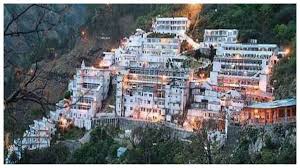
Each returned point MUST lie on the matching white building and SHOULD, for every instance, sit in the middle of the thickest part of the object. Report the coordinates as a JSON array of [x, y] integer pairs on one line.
[[232, 101], [89, 88], [149, 50], [158, 51], [38, 136], [205, 104], [216, 37], [176, 25], [130, 49], [151, 93], [245, 66], [204, 97], [108, 59]]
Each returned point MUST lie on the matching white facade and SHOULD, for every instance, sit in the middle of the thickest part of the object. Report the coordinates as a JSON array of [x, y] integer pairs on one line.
[[243, 66], [204, 97], [141, 50], [38, 136], [247, 50], [151, 94], [158, 51], [232, 101], [216, 37], [89, 88], [176, 25], [130, 49], [108, 59]]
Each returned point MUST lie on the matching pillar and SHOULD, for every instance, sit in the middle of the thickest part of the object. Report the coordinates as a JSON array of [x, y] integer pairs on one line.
[[285, 115]]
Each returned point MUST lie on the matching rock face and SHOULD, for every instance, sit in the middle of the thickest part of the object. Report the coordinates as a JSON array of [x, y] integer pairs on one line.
[[268, 144], [256, 147]]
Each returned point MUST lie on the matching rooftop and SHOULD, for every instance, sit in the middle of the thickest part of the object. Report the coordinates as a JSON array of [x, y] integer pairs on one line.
[[171, 18], [274, 104], [161, 35]]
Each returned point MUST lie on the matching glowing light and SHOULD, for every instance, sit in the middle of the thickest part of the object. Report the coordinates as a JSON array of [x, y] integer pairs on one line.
[[134, 76], [31, 71], [163, 77], [287, 51], [267, 71], [202, 75], [82, 33], [64, 121]]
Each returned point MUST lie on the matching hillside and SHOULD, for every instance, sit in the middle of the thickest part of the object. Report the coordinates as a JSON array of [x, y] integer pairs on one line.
[[265, 22], [60, 50]]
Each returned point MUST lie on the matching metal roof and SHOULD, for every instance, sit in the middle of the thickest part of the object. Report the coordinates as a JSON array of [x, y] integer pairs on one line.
[[275, 104]]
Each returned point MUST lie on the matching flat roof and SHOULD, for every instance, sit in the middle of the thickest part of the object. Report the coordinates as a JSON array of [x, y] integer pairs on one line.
[[171, 18], [248, 45], [220, 30], [274, 104]]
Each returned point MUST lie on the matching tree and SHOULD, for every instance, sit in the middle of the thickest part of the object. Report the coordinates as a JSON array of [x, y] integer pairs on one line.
[[67, 95], [13, 158], [57, 153], [281, 32]]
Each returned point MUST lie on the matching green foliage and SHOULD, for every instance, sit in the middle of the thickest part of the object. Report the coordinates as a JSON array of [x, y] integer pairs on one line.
[[265, 22], [99, 134], [284, 78], [13, 158], [287, 154], [253, 21], [158, 146], [279, 149], [57, 153], [144, 22], [68, 94], [100, 149], [72, 134], [36, 113]]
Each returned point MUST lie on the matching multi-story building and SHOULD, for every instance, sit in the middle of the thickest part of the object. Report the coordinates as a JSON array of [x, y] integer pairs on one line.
[[175, 25], [149, 50], [152, 93], [38, 136], [108, 59], [204, 97], [232, 101], [130, 49], [245, 66], [158, 51], [205, 105], [89, 88], [216, 37]]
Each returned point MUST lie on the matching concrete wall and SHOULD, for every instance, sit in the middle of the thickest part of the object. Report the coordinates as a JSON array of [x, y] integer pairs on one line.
[[130, 124]]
